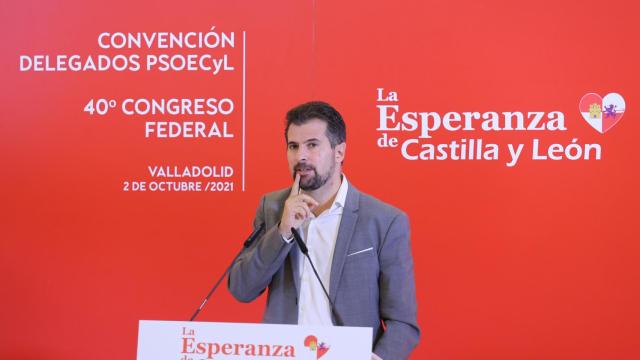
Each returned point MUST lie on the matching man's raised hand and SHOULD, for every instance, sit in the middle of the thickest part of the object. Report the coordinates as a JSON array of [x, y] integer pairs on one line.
[[297, 209]]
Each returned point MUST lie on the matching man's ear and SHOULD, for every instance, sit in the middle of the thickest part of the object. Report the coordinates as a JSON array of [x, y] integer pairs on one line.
[[340, 151]]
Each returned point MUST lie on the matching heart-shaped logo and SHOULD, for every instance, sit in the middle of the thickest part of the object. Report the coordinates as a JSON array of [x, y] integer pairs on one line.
[[602, 113], [312, 343]]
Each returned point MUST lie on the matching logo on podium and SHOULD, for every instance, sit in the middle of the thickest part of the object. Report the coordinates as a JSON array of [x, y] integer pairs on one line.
[[312, 343]]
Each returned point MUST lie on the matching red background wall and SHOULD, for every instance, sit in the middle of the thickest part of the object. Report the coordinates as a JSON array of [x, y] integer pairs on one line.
[[538, 261]]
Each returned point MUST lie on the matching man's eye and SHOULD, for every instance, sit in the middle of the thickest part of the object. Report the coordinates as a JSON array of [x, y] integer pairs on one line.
[[293, 146], [312, 145]]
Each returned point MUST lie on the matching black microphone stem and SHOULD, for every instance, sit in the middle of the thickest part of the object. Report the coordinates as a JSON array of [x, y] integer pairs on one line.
[[305, 251]]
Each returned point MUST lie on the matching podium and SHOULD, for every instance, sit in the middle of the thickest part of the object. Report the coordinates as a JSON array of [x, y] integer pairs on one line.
[[189, 340]]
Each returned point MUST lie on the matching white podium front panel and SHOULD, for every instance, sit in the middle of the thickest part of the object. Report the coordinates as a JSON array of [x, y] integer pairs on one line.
[[184, 340]]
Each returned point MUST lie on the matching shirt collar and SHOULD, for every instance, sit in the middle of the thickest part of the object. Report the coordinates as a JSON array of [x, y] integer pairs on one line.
[[341, 196]]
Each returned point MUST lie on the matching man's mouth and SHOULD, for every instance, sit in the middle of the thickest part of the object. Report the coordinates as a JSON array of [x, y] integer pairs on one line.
[[304, 170]]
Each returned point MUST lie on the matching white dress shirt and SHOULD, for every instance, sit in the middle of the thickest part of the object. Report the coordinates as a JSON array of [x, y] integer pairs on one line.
[[320, 234]]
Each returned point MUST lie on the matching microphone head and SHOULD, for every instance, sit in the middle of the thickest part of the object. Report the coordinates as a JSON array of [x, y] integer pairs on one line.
[[254, 235]]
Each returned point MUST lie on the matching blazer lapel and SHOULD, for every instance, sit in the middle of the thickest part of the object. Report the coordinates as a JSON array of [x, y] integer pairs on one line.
[[345, 232]]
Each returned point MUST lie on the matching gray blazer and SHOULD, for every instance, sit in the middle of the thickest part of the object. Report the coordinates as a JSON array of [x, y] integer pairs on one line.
[[365, 287]]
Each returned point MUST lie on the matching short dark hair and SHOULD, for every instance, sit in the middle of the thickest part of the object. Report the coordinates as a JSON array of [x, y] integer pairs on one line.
[[336, 128]]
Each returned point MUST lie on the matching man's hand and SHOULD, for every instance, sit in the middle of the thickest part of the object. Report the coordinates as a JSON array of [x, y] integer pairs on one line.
[[297, 209]]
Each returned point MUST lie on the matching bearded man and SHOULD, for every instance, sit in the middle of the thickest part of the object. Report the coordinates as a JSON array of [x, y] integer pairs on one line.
[[359, 245]]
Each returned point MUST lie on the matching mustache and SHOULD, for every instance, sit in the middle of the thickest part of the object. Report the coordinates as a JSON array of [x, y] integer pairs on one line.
[[303, 166]]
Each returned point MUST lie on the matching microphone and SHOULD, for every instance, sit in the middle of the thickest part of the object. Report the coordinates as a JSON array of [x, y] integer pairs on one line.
[[305, 251], [252, 237], [245, 245]]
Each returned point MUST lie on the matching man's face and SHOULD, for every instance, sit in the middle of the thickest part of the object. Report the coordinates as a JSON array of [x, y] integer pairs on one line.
[[310, 154]]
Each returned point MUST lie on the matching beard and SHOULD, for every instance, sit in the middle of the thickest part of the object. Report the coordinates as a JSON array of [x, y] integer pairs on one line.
[[314, 182]]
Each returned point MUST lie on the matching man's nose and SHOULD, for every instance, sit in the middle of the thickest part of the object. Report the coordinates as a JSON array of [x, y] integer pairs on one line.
[[302, 153]]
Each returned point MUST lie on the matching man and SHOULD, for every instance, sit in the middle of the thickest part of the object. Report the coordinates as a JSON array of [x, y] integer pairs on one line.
[[359, 245]]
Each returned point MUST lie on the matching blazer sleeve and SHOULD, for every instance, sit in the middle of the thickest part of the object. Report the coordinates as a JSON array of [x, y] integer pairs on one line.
[[398, 307], [253, 270]]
